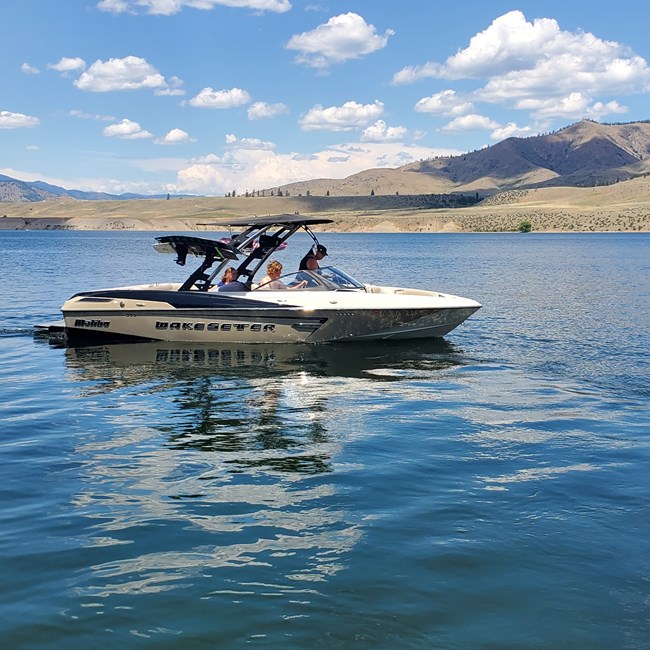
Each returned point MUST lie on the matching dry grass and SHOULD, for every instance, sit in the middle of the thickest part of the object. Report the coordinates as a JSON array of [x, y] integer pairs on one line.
[[620, 207]]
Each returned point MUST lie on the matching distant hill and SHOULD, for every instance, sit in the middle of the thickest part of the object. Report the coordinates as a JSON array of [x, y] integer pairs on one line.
[[584, 154], [91, 196], [13, 190]]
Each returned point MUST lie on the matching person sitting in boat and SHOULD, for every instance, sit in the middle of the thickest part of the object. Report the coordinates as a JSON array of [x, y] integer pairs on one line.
[[235, 285], [271, 281], [229, 275], [229, 281], [310, 261]]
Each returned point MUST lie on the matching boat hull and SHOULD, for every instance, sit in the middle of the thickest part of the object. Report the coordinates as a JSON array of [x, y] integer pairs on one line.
[[84, 328], [268, 325], [154, 313]]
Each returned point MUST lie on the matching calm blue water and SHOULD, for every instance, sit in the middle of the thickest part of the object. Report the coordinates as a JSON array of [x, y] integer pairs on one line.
[[486, 491]]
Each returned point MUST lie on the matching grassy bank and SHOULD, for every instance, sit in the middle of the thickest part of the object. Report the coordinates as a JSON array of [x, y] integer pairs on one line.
[[624, 207]]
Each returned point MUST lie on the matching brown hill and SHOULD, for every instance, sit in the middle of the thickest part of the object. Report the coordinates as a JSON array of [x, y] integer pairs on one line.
[[14, 190], [380, 181], [585, 154]]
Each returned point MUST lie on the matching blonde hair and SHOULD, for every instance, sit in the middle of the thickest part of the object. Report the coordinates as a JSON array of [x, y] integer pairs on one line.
[[274, 267]]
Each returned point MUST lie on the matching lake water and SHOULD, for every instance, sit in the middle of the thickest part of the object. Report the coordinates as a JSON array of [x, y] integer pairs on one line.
[[489, 490]]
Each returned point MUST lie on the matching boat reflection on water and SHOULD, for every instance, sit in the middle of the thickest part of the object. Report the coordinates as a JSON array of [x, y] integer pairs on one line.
[[140, 362], [247, 400], [240, 453]]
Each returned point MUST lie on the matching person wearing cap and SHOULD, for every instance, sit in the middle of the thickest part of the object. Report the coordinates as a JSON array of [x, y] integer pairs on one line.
[[310, 261]]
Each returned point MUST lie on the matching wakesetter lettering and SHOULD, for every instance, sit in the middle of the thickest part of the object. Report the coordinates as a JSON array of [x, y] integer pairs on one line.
[[215, 327]]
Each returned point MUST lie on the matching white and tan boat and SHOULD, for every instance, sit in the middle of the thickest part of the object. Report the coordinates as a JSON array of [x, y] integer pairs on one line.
[[328, 305]]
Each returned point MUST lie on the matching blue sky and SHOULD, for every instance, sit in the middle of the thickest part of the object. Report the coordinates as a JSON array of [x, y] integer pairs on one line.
[[210, 96]]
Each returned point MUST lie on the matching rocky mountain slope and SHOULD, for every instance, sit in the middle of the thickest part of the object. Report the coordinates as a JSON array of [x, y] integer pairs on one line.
[[15, 190], [585, 154]]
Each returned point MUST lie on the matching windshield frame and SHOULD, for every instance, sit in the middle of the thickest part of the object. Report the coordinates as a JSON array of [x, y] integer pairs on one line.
[[327, 278], [338, 280]]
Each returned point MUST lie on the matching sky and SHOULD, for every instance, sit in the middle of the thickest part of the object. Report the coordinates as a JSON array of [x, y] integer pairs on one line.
[[218, 96]]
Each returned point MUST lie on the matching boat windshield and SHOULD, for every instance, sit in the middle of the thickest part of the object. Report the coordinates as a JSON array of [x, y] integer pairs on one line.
[[338, 278], [328, 278]]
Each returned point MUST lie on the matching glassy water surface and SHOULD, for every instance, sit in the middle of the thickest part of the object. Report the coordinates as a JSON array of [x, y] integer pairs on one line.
[[487, 490]]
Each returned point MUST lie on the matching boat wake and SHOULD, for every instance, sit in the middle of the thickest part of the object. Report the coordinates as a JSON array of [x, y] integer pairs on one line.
[[15, 331]]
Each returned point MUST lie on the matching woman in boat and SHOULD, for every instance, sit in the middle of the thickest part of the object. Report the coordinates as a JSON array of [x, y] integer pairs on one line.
[[229, 275], [229, 282], [271, 281]]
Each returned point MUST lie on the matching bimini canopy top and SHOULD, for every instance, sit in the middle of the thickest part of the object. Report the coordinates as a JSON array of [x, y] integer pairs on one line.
[[260, 237], [182, 245], [279, 220]]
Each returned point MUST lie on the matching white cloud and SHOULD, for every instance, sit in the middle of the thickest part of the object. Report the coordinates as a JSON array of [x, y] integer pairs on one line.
[[511, 130], [572, 105], [510, 43], [244, 169], [471, 122], [168, 7], [126, 130], [172, 87], [88, 116], [575, 105], [9, 120], [579, 71], [412, 73], [252, 144], [446, 102], [29, 69], [262, 110], [341, 38], [209, 98], [246, 165], [558, 73], [200, 179], [115, 6], [380, 132], [598, 109], [129, 73], [341, 118], [175, 136], [67, 64]]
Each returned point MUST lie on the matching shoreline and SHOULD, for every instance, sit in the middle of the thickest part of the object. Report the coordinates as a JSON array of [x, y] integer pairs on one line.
[[386, 226], [559, 213]]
